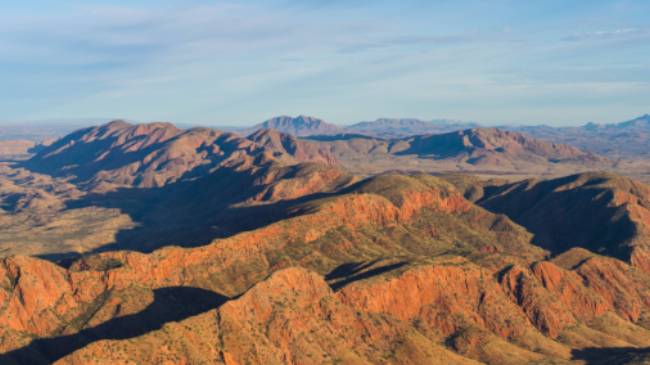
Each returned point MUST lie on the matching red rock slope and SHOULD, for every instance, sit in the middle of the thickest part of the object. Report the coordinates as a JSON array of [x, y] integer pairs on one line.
[[373, 274]]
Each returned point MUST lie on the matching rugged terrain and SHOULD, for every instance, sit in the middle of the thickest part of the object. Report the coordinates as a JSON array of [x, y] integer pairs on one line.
[[480, 150], [623, 144], [199, 246], [604, 213], [145, 186]]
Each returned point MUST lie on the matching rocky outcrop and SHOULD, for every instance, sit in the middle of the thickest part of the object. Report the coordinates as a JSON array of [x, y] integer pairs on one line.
[[447, 310]]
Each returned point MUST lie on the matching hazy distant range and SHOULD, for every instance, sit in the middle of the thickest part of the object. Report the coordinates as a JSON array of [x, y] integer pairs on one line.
[[628, 138]]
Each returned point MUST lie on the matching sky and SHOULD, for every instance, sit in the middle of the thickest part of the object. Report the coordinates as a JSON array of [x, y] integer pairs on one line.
[[556, 62]]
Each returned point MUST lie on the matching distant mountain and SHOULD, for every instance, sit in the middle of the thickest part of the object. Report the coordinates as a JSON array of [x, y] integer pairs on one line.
[[396, 128], [494, 146], [303, 126], [629, 139], [298, 126]]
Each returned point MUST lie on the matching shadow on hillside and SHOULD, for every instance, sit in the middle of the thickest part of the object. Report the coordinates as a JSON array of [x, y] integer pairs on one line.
[[561, 219], [169, 305], [350, 272], [612, 355], [81, 158], [187, 214]]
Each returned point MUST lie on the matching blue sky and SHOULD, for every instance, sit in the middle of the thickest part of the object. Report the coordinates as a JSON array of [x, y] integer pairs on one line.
[[240, 62]]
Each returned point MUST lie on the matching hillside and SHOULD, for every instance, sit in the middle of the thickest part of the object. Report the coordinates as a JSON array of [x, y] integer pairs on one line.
[[372, 274], [493, 146], [287, 144], [119, 154], [146, 186], [604, 213], [479, 149], [198, 246]]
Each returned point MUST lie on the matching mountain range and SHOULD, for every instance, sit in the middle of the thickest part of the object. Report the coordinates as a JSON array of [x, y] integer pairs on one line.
[[626, 139], [303, 126], [147, 243]]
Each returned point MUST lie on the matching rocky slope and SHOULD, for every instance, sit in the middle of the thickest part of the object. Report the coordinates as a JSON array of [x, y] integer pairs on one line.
[[119, 154], [143, 155], [393, 269], [155, 185], [602, 212], [287, 144]]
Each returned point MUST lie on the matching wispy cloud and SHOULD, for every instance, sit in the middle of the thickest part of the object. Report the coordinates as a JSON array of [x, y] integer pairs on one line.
[[234, 61], [613, 34]]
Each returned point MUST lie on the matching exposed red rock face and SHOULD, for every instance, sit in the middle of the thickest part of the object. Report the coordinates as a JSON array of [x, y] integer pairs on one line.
[[540, 306], [501, 308], [295, 317]]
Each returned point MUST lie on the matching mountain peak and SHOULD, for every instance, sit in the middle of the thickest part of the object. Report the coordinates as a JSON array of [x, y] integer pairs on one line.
[[302, 125], [118, 123]]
